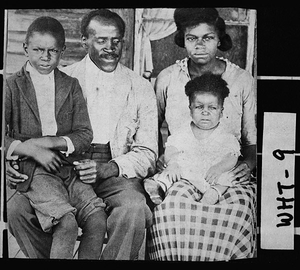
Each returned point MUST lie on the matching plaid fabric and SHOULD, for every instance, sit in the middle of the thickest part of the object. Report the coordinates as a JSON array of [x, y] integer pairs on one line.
[[185, 229]]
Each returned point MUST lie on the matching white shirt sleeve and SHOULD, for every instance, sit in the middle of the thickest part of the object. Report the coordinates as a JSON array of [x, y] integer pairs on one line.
[[11, 149], [70, 146]]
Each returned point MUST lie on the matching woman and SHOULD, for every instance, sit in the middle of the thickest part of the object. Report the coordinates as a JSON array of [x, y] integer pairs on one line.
[[184, 228]]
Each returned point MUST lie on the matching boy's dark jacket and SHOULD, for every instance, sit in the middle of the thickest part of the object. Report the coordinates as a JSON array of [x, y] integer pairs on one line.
[[22, 118]]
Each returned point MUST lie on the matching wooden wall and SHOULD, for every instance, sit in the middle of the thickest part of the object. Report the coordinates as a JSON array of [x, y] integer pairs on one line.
[[19, 20], [165, 52]]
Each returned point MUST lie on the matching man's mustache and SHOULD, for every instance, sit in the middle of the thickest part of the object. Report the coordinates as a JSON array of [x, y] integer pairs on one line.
[[110, 55]]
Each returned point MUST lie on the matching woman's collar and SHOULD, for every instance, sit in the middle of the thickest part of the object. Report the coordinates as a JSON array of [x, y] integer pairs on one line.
[[183, 64]]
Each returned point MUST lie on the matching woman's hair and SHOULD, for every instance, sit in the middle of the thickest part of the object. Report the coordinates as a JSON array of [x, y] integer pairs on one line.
[[191, 17], [102, 15], [207, 83], [47, 25]]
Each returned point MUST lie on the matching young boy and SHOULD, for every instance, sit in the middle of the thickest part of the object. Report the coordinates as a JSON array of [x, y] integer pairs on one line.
[[47, 128], [200, 152]]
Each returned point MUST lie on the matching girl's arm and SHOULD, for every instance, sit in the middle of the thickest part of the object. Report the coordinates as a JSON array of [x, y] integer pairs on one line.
[[225, 165], [172, 171], [171, 154]]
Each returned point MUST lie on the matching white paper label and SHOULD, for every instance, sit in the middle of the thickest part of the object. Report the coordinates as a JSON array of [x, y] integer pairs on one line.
[[278, 180]]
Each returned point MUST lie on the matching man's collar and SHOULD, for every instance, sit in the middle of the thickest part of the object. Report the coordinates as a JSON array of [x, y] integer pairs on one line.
[[90, 65]]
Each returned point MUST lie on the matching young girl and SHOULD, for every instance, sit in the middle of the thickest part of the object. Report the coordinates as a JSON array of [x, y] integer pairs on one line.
[[201, 152]]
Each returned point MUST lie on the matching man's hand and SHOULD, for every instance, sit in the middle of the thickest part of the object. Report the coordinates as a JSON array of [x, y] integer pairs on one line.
[[90, 171], [160, 164], [13, 177], [242, 173]]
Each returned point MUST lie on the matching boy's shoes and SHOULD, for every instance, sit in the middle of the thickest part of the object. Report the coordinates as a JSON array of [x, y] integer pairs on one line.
[[154, 190]]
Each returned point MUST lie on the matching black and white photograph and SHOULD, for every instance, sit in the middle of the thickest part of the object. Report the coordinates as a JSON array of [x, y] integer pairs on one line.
[[150, 134]]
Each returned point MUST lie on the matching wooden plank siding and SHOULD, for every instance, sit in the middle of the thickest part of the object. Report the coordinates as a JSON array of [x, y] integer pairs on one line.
[[19, 21], [165, 52]]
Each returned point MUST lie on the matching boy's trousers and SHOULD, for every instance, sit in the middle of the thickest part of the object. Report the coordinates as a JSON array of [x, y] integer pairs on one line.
[[127, 216], [54, 195]]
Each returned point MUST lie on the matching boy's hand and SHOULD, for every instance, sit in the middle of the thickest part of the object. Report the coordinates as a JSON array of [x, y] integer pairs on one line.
[[45, 142], [50, 142], [39, 150], [47, 158]]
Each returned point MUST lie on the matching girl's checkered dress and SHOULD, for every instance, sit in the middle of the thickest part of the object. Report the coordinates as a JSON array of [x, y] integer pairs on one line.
[[185, 229]]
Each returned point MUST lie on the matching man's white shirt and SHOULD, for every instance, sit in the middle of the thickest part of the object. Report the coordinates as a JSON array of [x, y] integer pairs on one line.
[[98, 87]]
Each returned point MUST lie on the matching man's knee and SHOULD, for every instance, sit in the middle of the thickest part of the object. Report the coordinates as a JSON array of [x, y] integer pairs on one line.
[[125, 199], [95, 222], [18, 211], [134, 210], [87, 208]]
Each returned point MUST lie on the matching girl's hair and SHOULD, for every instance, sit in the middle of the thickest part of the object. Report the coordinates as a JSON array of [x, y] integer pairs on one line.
[[47, 25], [207, 83], [102, 15], [191, 17]]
